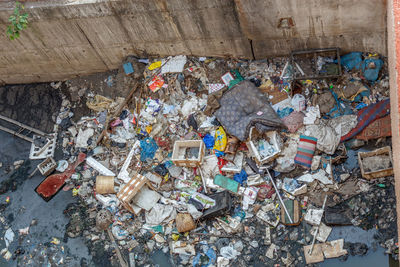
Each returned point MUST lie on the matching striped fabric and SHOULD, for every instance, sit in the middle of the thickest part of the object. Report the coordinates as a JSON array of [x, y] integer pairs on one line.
[[305, 151], [367, 115]]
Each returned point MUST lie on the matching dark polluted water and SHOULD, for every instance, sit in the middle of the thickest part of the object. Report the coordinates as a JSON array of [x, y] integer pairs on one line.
[[25, 207], [374, 257]]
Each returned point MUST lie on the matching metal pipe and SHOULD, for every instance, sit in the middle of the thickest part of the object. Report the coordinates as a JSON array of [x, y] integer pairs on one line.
[[279, 196]]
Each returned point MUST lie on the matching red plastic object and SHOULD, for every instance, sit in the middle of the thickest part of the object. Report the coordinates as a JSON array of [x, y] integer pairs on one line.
[[52, 184], [265, 191]]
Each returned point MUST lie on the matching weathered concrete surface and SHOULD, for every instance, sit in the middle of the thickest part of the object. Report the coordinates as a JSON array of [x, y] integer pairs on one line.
[[393, 26], [72, 38], [350, 25]]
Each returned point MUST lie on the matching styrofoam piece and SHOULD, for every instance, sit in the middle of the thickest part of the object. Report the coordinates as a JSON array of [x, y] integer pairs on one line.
[[99, 167], [275, 141], [237, 164], [46, 151], [173, 64], [123, 173]]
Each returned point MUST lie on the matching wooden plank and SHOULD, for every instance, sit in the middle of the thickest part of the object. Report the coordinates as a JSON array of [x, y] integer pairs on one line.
[[23, 125], [16, 134]]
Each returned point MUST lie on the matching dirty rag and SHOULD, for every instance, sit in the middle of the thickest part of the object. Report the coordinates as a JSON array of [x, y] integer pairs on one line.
[[368, 115]]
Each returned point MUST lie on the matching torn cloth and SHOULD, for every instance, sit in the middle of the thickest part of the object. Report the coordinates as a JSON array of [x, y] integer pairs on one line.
[[245, 106], [377, 129], [368, 115]]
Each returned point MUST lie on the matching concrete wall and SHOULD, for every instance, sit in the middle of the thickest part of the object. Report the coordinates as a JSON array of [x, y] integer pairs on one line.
[[69, 38]]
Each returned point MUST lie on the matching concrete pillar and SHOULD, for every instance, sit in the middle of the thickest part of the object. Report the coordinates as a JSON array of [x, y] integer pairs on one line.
[[393, 28]]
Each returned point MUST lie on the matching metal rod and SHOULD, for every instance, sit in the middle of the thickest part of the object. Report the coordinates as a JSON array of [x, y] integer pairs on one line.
[[23, 125], [26, 138], [279, 196], [317, 230]]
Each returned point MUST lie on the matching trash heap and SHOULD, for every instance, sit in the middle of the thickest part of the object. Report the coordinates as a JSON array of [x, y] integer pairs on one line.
[[219, 162]]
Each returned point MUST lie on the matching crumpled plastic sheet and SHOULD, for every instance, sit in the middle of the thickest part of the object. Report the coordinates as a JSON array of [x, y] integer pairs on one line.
[[229, 252], [329, 132], [240, 177], [83, 137], [328, 139], [285, 163], [321, 176], [160, 214], [173, 64], [290, 184], [208, 141], [371, 74], [149, 148], [9, 236], [343, 124]]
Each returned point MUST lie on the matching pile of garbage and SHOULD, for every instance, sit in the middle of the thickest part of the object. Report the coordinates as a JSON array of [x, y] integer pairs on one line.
[[218, 162]]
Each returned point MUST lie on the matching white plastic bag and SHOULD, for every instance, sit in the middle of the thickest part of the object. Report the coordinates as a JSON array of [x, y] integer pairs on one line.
[[229, 252], [9, 236], [299, 102]]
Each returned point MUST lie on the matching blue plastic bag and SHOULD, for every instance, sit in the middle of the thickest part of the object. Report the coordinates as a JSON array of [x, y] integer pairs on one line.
[[240, 177], [149, 148], [208, 140], [351, 60], [371, 74], [212, 258]]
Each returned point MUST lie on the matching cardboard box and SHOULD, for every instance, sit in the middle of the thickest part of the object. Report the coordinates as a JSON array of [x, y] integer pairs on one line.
[[181, 149], [384, 158], [272, 137]]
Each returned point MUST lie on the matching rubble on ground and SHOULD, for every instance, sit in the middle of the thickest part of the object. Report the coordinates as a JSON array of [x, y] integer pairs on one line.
[[222, 162]]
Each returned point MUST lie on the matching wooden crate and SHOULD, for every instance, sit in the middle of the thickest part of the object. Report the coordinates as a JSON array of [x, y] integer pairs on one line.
[[384, 151], [129, 190], [47, 166], [179, 151]]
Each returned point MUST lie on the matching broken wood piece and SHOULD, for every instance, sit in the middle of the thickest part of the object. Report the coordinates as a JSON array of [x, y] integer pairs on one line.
[[123, 173], [129, 191], [47, 166], [327, 250], [119, 255]]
